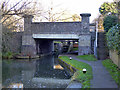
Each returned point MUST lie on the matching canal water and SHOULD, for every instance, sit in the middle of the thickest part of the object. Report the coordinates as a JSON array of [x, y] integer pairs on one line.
[[45, 72]]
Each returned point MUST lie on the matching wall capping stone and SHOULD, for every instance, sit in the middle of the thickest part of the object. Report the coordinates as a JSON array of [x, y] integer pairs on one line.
[[85, 14]]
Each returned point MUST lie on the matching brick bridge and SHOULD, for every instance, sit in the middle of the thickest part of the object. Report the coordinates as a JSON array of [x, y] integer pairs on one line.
[[39, 36]]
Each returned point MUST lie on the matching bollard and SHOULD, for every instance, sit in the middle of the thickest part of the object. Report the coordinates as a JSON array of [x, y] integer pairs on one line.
[[84, 70], [70, 58]]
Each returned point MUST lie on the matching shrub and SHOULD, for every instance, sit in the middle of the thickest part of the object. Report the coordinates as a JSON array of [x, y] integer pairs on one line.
[[109, 21], [113, 38], [7, 55]]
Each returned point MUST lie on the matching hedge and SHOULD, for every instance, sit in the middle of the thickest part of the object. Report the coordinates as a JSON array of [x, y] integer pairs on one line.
[[113, 38]]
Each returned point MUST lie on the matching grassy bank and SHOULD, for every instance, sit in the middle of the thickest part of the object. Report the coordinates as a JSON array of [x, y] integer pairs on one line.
[[87, 57], [79, 75], [113, 70]]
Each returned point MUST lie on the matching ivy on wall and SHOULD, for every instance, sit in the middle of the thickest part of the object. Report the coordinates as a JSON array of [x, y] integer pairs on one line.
[[113, 38]]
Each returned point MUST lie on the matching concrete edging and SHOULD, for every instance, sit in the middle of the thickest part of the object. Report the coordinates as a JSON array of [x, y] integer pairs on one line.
[[71, 70]]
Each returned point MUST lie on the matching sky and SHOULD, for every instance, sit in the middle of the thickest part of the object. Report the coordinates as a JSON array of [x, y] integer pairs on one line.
[[74, 6], [79, 6]]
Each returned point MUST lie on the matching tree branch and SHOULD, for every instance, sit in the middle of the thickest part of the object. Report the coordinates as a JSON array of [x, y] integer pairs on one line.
[[11, 8]]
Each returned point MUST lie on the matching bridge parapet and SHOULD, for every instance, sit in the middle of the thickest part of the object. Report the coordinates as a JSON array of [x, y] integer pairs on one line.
[[56, 27]]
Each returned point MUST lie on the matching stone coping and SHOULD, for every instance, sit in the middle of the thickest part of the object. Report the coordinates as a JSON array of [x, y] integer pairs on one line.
[[74, 84], [72, 70], [85, 14]]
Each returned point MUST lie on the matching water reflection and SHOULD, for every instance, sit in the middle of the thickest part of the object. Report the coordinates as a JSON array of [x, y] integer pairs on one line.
[[16, 85], [18, 72], [45, 68], [58, 66]]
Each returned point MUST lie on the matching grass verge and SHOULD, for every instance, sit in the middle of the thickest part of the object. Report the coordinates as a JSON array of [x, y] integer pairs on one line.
[[79, 75], [75, 49], [87, 57], [113, 70]]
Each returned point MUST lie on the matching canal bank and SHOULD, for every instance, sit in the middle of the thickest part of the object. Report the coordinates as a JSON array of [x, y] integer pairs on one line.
[[35, 73], [79, 79], [71, 70]]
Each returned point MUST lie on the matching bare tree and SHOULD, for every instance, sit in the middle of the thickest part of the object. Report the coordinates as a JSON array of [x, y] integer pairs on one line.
[[12, 17], [53, 13], [75, 17]]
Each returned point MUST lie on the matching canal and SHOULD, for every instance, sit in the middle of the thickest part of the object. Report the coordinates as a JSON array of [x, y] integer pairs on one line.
[[45, 72]]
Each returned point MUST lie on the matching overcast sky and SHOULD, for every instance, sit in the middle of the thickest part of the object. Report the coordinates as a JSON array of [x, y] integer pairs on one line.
[[74, 6], [79, 6]]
